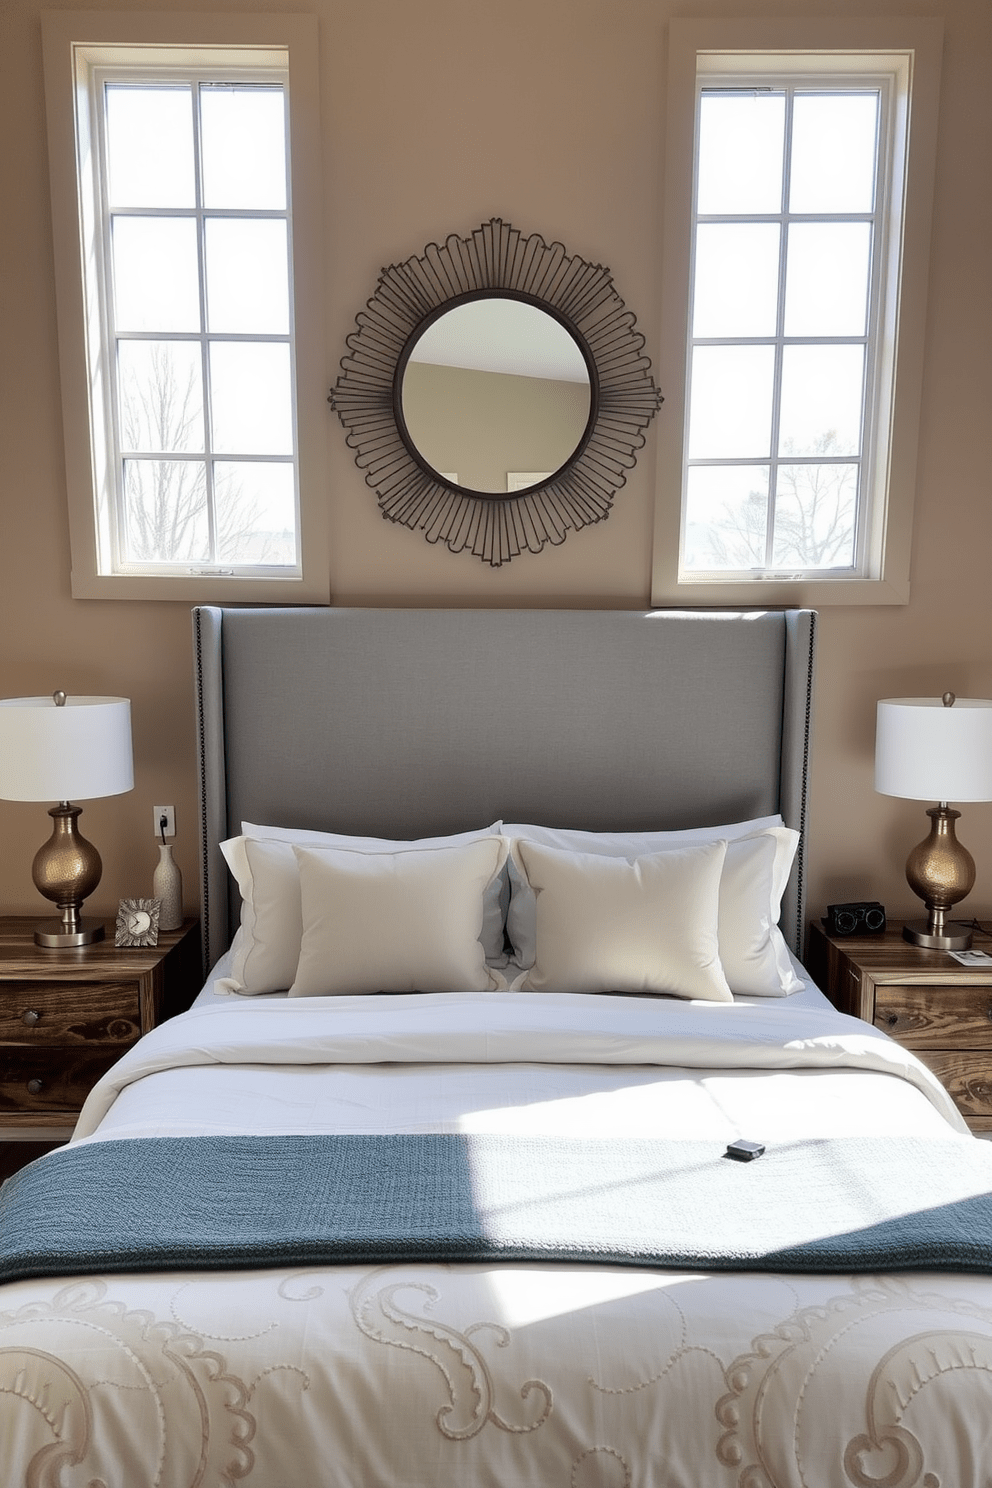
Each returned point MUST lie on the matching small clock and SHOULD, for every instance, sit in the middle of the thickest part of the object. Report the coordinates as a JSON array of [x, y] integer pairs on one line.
[[137, 922]]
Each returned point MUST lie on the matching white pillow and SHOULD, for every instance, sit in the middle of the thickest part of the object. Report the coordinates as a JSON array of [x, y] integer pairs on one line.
[[266, 948], [395, 922], [608, 925], [759, 860]]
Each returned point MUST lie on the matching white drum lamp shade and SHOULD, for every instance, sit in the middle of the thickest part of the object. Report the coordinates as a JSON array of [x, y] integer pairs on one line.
[[936, 749], [76, 752], [928, 751], [64, 749]]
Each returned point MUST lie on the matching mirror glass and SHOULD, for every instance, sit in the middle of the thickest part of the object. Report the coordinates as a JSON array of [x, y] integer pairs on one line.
[[495, 395]]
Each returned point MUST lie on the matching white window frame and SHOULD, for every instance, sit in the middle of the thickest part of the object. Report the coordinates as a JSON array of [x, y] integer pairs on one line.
[[80, 49], [905, 57]]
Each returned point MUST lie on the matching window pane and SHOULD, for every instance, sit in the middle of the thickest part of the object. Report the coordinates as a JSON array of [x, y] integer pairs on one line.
[[731, 401], [150, 146], [156, 275], [251, 398], [725, 517], [815, 516], [736, 280], [243, 146], [740, 152], [165, 512], [833, 152], [247, 276], [256, 512], [161, 392], [826, 291], [821, 400]]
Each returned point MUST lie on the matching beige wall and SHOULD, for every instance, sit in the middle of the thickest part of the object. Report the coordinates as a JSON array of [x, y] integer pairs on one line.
[[438, 114], [481, 426]]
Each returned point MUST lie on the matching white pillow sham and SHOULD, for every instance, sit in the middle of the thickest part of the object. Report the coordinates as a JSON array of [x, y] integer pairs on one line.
[[266, 949], [395, 922], [759, 860], [604, 924]]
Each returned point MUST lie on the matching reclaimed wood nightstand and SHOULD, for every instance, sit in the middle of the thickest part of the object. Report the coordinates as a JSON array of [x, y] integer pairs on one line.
[[67, 1015], [924, 999]]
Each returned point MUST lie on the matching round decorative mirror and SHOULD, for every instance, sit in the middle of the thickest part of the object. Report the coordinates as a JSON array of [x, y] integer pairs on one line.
[[495, 393]]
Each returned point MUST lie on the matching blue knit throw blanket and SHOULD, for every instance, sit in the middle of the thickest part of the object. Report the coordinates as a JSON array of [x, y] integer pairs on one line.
[[241, 1201]]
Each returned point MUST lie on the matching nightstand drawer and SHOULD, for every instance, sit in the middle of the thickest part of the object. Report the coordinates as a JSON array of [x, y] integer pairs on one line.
[[923, 998], [67, 1015], [52, 1079], [936, 1017], [968, 1077], [69, 1012]]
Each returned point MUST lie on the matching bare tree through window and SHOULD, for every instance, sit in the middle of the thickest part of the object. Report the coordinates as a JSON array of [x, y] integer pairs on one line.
[[166, 503]]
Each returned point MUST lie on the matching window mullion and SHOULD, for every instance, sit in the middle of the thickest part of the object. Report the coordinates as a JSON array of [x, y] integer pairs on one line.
[[783, 263], [115, 504], [873, 315], [201, 248], [291, 260]]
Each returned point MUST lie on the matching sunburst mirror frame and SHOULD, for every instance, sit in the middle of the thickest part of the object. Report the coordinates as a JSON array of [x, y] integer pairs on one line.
[[495, 259]]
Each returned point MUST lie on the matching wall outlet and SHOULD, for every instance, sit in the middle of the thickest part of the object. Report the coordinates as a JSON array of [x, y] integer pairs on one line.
[[169, 812]]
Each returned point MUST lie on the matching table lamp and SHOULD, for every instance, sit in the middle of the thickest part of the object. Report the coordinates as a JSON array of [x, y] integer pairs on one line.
[[64, 748], [936, 749]]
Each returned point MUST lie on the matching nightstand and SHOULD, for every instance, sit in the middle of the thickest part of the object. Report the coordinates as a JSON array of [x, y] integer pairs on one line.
[[924, 999], [67, 1015]]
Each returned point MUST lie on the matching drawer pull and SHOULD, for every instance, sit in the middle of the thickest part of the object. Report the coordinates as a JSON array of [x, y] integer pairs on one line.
[[892, 1019], [31, 1016], [35, 1086]]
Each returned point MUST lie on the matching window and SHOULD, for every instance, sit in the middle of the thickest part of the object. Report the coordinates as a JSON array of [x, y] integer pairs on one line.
[[188, 449], [785, 287], [800, 279]]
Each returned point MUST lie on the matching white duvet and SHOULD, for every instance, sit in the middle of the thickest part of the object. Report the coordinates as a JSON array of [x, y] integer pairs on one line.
[[434, 1375]]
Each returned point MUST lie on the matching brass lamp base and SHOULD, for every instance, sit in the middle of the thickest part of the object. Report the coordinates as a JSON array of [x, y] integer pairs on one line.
[[954, 936], [52, 934], [66, 869], [941, 872]]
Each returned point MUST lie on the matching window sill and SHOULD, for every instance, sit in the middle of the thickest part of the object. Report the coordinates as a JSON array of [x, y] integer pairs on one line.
[[813, 594], [203, 589]]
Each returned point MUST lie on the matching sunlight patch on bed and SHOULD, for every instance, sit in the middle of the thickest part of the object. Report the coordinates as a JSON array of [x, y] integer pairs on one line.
[[525, 1295], [634, 1103]]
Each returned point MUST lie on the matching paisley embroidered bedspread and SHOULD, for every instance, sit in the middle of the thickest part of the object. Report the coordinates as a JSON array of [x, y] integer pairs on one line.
[[530, 1374]]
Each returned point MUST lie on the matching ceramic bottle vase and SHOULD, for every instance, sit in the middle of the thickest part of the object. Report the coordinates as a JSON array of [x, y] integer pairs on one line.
[[167, 885]]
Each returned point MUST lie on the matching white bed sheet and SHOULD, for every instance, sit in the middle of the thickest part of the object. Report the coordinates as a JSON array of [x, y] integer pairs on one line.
[[541, 1099]]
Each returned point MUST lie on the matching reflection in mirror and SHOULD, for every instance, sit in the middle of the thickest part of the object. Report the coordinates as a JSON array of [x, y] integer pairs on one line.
[[493, 388]]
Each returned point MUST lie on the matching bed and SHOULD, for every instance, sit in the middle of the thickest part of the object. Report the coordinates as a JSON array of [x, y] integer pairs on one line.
[[503, 915]]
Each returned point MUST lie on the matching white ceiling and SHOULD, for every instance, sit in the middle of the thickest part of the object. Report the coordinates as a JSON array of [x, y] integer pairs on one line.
[[502, 335]]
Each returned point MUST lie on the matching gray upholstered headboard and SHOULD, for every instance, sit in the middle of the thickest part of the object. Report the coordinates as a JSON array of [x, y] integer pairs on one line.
[[409, 723]]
